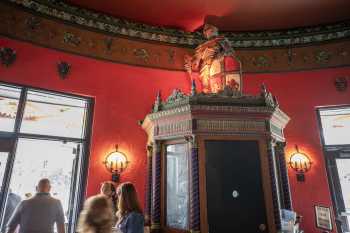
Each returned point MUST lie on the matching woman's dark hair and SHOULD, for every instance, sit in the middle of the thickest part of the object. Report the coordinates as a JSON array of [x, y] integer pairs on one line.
[[127, 200]]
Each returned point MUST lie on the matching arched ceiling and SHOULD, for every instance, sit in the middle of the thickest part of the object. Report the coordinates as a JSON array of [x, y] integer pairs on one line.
[[228, 15]]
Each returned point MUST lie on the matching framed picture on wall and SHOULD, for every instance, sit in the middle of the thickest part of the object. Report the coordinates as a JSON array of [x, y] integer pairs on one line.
[[323, 217]]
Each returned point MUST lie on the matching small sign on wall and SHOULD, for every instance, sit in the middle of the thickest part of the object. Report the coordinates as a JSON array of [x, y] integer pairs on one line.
[[323, 217]]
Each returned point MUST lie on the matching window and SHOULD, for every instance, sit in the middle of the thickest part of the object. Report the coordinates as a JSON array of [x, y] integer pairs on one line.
[[177, 186], [9, 98], [51, 135], [335, 125], [56, 115], [3, 160], [335, 131]]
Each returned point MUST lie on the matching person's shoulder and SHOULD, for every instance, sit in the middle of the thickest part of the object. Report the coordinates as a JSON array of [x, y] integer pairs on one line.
[[51, 200], [135, 215], [55, 200], [23, 203]]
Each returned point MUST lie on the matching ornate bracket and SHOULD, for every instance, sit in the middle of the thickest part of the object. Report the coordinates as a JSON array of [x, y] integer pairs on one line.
[[63, 69], [7, 56]]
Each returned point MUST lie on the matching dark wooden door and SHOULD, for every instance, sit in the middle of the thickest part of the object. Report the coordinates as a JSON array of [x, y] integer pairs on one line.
[[235, 199]]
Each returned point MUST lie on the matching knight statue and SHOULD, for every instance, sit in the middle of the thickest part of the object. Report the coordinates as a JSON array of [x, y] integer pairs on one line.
[[216, 62]]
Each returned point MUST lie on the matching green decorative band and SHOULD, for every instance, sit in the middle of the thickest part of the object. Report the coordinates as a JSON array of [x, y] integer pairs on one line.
[[115, 26]]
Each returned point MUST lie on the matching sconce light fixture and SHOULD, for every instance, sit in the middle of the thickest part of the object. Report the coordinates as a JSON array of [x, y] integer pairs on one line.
[[7, 56], [300, 163], [116, 162], [63, 69]]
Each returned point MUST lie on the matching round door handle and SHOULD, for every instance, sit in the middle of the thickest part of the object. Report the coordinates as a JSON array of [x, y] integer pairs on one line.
[[235, 194], [262, 227]]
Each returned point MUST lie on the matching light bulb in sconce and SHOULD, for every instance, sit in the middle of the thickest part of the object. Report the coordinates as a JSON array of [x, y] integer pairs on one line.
[[116, 162], [300, 163]]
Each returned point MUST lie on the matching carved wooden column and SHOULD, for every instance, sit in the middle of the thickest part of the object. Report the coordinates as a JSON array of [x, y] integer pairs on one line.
[[281, 163], [274, 183], [156, 183], [194, 221], [148, 189]]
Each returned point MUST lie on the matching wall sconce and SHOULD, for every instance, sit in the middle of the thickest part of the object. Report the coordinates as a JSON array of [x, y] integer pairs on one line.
[[7, 56], [116, 162], [63, 69], [300, 163]]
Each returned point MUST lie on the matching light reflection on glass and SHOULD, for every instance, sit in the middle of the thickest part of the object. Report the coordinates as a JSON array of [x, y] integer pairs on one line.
[[3, 161], [55, 115], [336, 126], [9, 98], [177, 190]]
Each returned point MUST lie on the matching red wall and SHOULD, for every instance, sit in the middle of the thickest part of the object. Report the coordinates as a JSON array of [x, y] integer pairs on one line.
[[124, 94], [299, 94]]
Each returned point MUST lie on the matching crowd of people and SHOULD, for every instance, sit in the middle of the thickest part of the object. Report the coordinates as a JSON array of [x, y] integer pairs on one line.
[[113, 210]]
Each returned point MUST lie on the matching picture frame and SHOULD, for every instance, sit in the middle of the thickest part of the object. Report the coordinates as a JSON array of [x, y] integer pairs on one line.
[[323, 217]]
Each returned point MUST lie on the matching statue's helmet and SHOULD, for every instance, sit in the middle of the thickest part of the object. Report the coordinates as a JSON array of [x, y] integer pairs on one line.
[[210, 31]]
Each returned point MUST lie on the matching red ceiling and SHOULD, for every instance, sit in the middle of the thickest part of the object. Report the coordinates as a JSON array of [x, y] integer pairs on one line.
[[228, 15]]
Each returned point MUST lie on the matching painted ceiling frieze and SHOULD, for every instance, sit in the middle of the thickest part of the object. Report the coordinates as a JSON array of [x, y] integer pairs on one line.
[[45, 31], [121, 27]]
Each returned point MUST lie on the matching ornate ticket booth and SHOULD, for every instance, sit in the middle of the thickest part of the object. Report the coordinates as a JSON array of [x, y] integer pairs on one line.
[[216, 163]]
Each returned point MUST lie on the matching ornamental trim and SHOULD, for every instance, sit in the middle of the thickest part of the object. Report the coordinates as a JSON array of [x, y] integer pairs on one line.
[[121, 27]]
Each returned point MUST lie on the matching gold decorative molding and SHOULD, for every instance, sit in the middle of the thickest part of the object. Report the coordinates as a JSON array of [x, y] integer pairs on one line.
[[32, 27], [23, 25], [231, 125]]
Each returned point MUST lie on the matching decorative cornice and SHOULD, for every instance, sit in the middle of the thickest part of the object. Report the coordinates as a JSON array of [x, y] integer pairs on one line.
[[46, 31], [177, 100], [121, 27]]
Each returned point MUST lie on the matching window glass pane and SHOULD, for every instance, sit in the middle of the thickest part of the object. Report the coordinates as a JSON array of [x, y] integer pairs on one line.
[[9, 98], [343, 167], [37, 159], [336, 126], [55, 115], [3, 161], [177, 191]]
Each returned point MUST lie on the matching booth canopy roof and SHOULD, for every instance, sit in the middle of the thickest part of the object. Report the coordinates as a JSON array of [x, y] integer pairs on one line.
[[228, 15]]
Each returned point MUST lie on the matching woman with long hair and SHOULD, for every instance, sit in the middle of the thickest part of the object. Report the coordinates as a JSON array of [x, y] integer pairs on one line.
[[96, 216], [129, 215]]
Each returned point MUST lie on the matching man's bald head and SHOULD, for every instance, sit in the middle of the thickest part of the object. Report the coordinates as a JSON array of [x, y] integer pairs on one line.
[[43, 186]]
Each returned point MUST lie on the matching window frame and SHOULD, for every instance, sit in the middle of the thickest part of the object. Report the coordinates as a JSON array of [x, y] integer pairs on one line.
[[331, 153], [85, 141], [163, 220]]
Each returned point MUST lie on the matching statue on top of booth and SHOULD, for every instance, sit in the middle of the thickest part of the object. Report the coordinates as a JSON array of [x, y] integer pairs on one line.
[[216, 63]]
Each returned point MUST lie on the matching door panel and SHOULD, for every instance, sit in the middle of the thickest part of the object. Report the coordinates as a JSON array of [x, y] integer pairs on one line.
[[235, 199]]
